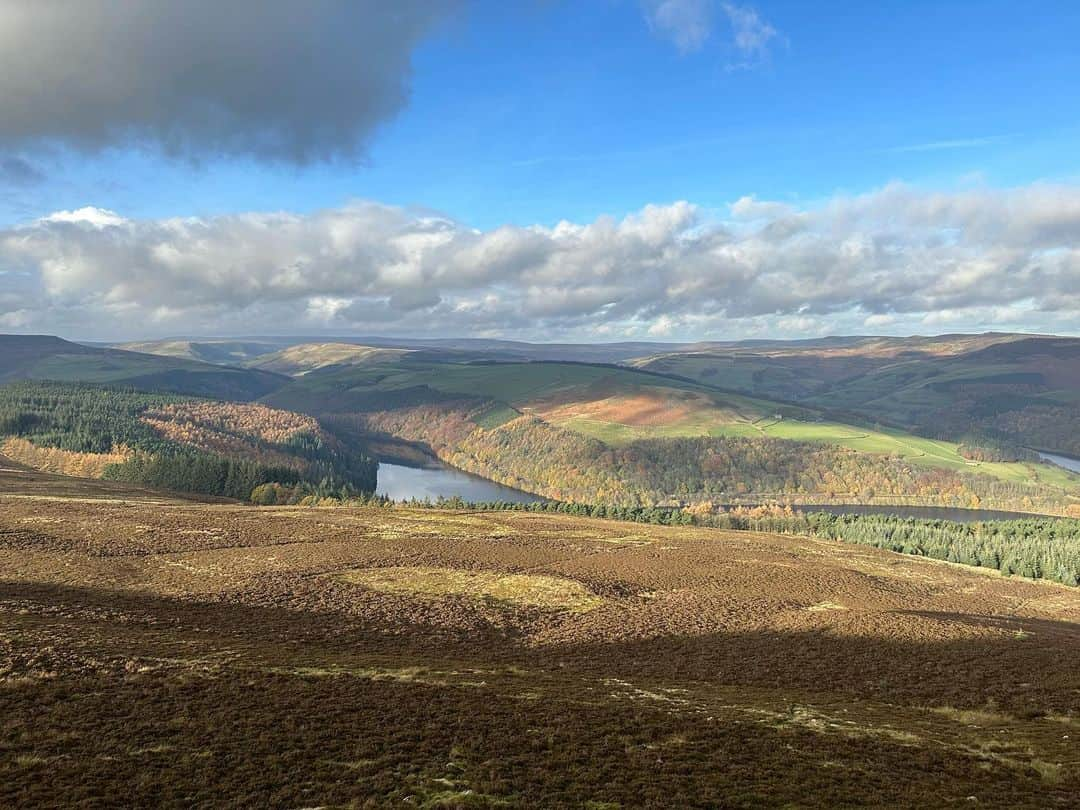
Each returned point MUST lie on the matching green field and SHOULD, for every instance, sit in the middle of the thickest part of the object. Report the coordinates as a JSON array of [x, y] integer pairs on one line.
[[914, 449], [616, 434]]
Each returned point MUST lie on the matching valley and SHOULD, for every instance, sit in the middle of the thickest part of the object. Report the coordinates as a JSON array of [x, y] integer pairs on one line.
[[672, 428], [465, 405], [459, 577]]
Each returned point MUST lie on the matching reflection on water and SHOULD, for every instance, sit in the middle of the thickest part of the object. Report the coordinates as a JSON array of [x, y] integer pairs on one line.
[[402, 483], [1062, 461]]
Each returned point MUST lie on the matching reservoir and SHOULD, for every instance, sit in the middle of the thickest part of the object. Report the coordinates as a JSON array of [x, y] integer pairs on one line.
[[1062, 461], [401, 483]]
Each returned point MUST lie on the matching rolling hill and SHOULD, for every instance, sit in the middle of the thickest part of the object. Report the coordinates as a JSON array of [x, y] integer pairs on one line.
[[592, 431], [306, 357], [794, 370], [875, 419], [43, 357], [219, 352], [1015, 389]]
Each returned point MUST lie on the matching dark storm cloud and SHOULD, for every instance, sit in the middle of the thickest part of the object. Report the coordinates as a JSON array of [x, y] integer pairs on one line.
[[293, 80]]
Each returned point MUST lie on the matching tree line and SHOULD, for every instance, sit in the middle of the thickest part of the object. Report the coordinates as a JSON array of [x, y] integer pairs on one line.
[[97, 420], [531, 454], [1035, 548]]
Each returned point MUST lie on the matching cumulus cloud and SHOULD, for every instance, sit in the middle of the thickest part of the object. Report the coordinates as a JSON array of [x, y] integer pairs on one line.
[[292, 80], [896, 258], [688, 24]]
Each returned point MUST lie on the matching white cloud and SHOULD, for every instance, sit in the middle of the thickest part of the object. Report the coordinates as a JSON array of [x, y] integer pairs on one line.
[[753, 35], [661, 327], [897, 258], [94, 217], [688, 24], [879, 320], [750, 208]]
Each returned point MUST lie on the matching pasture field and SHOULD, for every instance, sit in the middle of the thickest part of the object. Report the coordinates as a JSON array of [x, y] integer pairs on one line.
[[161, 651], [705, 419]]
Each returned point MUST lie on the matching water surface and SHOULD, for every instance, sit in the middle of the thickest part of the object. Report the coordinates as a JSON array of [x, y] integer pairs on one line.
[[402, 483], [1062, 461]]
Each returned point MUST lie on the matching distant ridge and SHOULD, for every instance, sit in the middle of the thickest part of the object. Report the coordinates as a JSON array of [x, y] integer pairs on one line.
[[46, 357], [244, 349]]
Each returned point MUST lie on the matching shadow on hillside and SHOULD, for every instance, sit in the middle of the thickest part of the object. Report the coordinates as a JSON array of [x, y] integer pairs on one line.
[[1030, 667], [266, 730]]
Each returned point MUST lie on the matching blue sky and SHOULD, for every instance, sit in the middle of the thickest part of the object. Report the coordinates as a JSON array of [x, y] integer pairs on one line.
[[525, 113], [530, 113]]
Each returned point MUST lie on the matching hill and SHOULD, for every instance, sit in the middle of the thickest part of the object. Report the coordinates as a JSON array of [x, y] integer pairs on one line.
[[42, 357], [797, 369], [525, 660], [1025, 391], [306, 357], [594, 432], [243, 349], [219, 352], [1015, 389], [177, 443]]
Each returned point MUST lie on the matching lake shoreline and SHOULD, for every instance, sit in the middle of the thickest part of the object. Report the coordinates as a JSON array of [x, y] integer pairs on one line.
[[1063, 460], [405, 482], [435, 480]]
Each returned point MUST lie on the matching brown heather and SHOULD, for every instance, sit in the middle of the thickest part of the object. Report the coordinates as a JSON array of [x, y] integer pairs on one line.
[[165, 653]]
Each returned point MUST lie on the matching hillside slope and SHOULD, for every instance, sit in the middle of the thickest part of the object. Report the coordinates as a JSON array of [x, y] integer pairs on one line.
[[42, 357], [297, 360], [525, 661], [1016, 389], [219, 352], [174, 442], [1026, 391], [601, 433]]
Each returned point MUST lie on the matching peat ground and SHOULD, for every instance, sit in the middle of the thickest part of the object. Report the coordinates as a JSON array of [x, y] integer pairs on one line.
[[160, 652]]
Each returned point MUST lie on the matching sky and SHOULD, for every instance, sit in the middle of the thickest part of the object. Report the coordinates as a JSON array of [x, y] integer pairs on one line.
[[596, 170]]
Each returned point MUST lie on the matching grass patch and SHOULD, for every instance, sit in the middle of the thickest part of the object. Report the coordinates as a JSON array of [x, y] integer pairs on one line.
[[916, 450], [520, 590], [972, 717]]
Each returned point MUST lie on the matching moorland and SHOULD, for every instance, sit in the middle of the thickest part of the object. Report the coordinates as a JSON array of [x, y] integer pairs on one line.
[[160, 650]]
